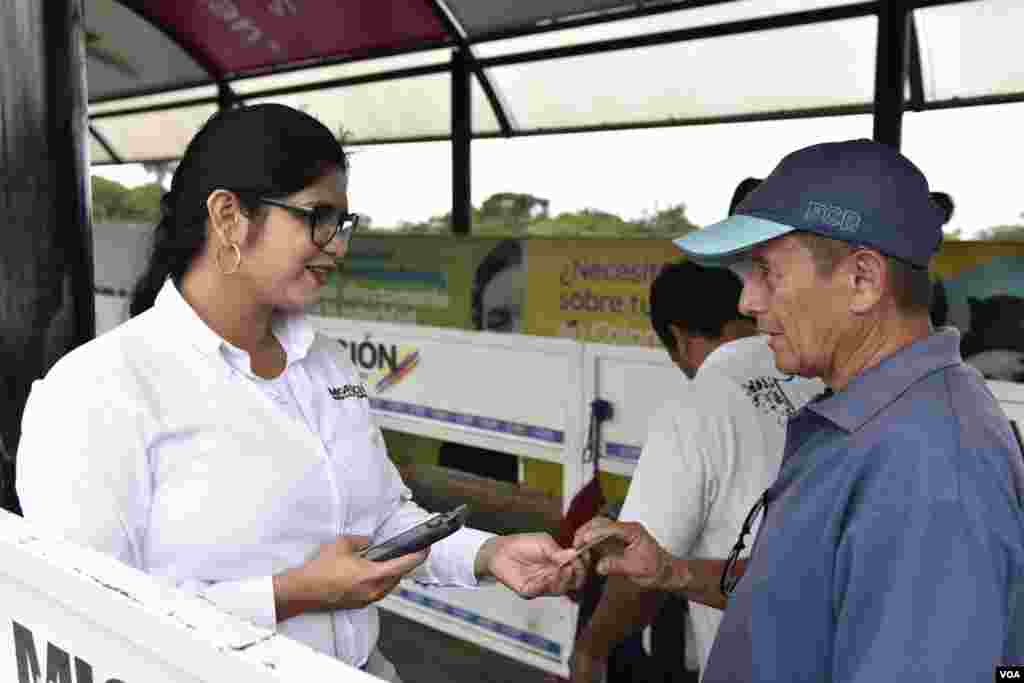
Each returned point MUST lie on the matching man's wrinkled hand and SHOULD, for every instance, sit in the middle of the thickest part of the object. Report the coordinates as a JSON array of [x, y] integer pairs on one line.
[[640, 558]]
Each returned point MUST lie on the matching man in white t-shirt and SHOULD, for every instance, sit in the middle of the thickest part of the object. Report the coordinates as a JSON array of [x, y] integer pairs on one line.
[[711, 450]]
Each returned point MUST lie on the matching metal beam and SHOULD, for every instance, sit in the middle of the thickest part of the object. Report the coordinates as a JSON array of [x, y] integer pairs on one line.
[[102, 141], [263, 73], [226, 97], [891, 71], [919, 4], [792, 19], [202, 60], [976, 101], [915, 71], [393, 74], [150, 108], [462, 135], [445, 16], [634, 12], [154, 90], [846, 110], [592, 19]]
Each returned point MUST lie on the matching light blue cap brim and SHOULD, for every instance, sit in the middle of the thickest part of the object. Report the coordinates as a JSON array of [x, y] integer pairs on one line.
[[726, 241]]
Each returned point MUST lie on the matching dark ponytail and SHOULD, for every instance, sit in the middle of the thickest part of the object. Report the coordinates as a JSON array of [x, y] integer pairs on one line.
[[267, 150], [173, 250]]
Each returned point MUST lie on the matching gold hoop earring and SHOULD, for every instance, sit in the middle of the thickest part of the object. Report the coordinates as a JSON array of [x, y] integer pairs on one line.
[[238, 260]]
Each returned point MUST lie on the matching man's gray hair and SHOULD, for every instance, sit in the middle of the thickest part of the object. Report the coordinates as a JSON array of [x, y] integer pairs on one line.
[[911, 286]]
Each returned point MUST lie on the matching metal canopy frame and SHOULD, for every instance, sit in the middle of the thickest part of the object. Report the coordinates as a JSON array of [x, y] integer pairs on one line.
[[898, 64], [139, 8]]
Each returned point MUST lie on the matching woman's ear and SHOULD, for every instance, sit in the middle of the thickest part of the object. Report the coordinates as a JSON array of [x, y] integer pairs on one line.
[[228, 222]]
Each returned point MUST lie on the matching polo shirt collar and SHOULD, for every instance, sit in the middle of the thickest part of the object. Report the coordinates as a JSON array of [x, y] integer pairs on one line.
[[876, 388], [295, 333], [293, 330]]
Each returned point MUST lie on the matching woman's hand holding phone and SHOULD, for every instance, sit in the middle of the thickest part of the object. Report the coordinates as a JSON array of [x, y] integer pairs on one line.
[[429, 531], [342, 579]]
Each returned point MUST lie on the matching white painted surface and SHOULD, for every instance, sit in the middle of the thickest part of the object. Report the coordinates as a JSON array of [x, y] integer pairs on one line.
[[537, 632], [1011, 397], [635, 380], [128, 627], [519, 379], [511, 378]]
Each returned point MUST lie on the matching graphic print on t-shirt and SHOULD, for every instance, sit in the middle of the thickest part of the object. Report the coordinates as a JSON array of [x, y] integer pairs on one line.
[[768, 397]]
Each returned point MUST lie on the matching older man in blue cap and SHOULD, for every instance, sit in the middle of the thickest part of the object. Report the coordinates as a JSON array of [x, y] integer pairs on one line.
[[891, 546]]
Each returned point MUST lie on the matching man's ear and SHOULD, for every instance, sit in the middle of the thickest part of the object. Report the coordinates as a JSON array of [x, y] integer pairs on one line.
[[738, 328], [869, 279], [228, 222], [677, 335]]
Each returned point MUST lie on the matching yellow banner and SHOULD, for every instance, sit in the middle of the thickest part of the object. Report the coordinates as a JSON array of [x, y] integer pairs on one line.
[[593, 290], [981, 292], [955, 258]]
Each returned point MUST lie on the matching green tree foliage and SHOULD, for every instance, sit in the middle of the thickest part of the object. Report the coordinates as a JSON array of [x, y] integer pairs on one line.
[[112, 202], [511, 214], [513, 208], [1004, 233]]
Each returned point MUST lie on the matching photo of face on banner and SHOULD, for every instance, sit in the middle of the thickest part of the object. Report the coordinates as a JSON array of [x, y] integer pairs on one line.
[[986, 303], [498, 289], [497, 305]]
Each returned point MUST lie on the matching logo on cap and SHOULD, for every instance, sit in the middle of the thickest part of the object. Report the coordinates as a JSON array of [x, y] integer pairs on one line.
[[837, 217]]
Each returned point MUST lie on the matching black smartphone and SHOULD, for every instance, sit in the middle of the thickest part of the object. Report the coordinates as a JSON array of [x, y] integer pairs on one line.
[[427, 532]]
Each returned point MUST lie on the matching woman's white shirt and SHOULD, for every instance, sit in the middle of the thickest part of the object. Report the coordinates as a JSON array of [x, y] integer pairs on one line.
[[155, 443]]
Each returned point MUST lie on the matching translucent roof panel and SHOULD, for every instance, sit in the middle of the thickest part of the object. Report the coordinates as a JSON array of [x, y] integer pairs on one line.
[[959, 53], [407, 108], [153, 135], [781, 70], [484, 120], [237, 37], [487, 16], [398, 109], [158, 100], [694, 17], [318, 74], [127, 54], [97, 155]]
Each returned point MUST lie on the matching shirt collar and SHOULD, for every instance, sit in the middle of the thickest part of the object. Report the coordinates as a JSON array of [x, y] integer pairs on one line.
[[293, 330], [295, 333], [877, 387]]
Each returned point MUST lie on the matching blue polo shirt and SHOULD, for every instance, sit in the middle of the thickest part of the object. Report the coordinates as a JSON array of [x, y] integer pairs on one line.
[[892, 545]]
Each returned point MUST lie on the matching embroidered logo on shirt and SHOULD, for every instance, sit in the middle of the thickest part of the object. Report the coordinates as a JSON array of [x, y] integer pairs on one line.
[[768, 397], [347, 391]]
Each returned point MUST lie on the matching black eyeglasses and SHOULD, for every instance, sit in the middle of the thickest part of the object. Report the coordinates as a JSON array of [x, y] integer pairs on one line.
[[325, 222], [729, 578]]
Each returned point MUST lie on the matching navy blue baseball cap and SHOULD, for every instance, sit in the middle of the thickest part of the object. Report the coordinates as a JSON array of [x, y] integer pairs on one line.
[[857, 191]]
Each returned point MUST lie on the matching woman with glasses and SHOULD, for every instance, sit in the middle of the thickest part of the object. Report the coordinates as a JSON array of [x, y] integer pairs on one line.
[[217, 442]]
